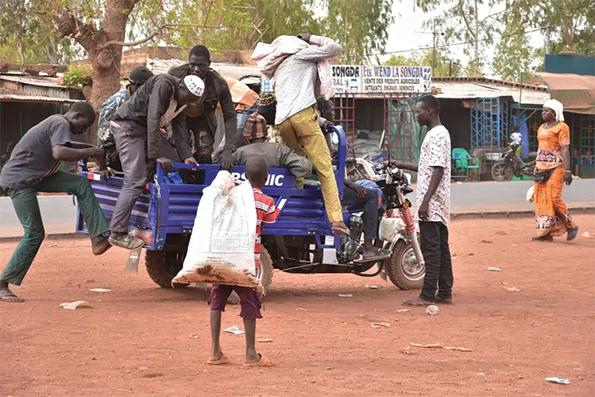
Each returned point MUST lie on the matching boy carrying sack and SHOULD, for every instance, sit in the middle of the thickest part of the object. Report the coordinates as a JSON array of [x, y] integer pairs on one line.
[[256, 173]]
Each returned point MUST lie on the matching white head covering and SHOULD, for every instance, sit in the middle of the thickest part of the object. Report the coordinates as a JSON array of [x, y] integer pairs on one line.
[[195, 85], [557, 107]]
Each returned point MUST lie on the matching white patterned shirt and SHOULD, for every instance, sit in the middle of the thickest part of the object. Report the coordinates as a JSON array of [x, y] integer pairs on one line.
[[296, 77], [435, 152]]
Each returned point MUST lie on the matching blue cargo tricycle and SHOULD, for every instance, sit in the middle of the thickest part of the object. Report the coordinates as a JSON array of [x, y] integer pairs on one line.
[[300, 241]]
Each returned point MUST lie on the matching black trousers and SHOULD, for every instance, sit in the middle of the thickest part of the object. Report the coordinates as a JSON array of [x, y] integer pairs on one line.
[[434, 247]]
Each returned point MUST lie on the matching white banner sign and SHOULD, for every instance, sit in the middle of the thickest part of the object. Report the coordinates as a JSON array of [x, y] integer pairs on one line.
[[382, 79], [347, 78]]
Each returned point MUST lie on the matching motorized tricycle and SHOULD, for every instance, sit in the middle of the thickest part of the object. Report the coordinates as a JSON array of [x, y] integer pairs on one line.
[[300, 241]]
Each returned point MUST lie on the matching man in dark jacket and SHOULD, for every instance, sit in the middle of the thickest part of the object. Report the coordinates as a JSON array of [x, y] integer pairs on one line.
[[140, 126], [201, 114], [274, 154]]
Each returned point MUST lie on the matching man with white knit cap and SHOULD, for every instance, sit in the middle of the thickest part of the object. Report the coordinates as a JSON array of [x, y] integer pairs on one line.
[[154, 113]]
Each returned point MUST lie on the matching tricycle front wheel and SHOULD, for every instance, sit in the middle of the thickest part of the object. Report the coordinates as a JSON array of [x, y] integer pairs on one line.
[[403, 268]]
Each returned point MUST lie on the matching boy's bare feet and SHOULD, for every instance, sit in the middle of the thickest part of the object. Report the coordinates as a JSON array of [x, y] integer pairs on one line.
[[217, 359], [6, 295]]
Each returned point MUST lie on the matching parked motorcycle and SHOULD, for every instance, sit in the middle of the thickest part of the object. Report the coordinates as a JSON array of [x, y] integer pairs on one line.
[[512, 164], [400, 259]]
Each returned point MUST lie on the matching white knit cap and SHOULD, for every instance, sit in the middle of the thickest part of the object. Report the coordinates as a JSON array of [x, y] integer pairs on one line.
[[557, 107], [195, 85]]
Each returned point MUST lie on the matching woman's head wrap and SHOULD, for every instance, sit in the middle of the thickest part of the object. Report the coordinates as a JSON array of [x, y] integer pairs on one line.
[[557, 107]]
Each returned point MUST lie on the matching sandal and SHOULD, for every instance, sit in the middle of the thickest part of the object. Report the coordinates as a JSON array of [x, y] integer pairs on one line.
[[547, 237], [418, 301], [571, 234], [220, 361], [262, 362], [10, 297], [125, 241]]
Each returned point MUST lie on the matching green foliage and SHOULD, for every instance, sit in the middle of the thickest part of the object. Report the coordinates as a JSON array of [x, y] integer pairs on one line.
[[77, 76], [460, 21], [361, 26], [26, 33], [568, 23]]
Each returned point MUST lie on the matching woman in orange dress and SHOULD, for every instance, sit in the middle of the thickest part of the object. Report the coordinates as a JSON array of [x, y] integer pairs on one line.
[[553, 158]]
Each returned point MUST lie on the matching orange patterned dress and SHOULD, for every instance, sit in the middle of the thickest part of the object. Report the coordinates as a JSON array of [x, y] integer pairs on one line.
[[551, 212]]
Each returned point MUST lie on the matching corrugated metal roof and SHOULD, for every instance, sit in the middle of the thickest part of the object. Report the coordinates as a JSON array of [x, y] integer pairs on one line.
[[469, 89], [33, 98], [52, 82], [225, 69]]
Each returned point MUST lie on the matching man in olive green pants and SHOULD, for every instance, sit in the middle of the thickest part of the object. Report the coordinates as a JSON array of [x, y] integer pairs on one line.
[[26, 207], [33, 168]]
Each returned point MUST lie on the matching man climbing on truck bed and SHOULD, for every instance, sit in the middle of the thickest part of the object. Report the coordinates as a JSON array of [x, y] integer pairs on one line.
[[200, 115], [139, 127], [275, 154], [296, 64]]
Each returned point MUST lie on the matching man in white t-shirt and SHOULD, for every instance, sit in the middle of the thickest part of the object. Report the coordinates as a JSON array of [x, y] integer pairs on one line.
[[433, 203]]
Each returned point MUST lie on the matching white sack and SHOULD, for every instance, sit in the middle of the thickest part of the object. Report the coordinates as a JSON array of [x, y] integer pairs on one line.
[[221, 248]]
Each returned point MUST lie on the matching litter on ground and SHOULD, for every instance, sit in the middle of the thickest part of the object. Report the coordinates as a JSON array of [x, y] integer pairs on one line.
[[75, 305], [380, 324], [432, 310], [560, 381], [234, 330], [494, 269], [100, 290], [439, 346]]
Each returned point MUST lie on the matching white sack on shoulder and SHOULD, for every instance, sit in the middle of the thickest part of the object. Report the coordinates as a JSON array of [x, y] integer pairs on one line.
[[221, 248]]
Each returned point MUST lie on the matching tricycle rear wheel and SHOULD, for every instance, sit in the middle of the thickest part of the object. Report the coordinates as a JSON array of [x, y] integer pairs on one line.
[[163, 266], [403, 268]]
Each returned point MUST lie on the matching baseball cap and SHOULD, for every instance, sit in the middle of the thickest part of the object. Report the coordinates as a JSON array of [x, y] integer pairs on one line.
[[139, 75]]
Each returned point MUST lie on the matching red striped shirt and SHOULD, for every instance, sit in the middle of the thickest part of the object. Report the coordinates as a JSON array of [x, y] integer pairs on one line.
[[266, 212]]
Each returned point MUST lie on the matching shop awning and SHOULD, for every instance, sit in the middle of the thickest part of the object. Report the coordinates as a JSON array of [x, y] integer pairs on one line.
[[576, 92]]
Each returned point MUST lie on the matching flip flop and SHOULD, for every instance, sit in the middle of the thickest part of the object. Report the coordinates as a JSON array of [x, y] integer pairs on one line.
[[11, 298], [220, 361], [262, 362], [417, 302]]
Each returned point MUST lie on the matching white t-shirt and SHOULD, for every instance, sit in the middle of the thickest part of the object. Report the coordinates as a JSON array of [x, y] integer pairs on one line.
[[435, 152]]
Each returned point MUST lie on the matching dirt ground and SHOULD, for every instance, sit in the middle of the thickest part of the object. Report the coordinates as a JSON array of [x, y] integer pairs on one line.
[[142, 340]]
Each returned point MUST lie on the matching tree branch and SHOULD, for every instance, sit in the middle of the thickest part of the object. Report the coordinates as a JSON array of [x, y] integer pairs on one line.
[[464, 15], [159, 32], [70, 26]]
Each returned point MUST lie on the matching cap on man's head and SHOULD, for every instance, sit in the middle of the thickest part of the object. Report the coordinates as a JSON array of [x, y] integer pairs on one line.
[[255, 128], [139, 75], [195, 85]]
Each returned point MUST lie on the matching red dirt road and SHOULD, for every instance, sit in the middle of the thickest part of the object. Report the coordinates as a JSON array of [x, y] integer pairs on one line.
[[141, 340]]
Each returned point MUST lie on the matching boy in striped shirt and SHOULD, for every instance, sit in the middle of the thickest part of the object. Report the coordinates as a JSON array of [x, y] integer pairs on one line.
[[256, 173]]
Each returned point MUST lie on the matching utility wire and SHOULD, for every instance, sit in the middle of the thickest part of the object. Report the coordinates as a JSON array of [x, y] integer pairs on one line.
[[449, 45]]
